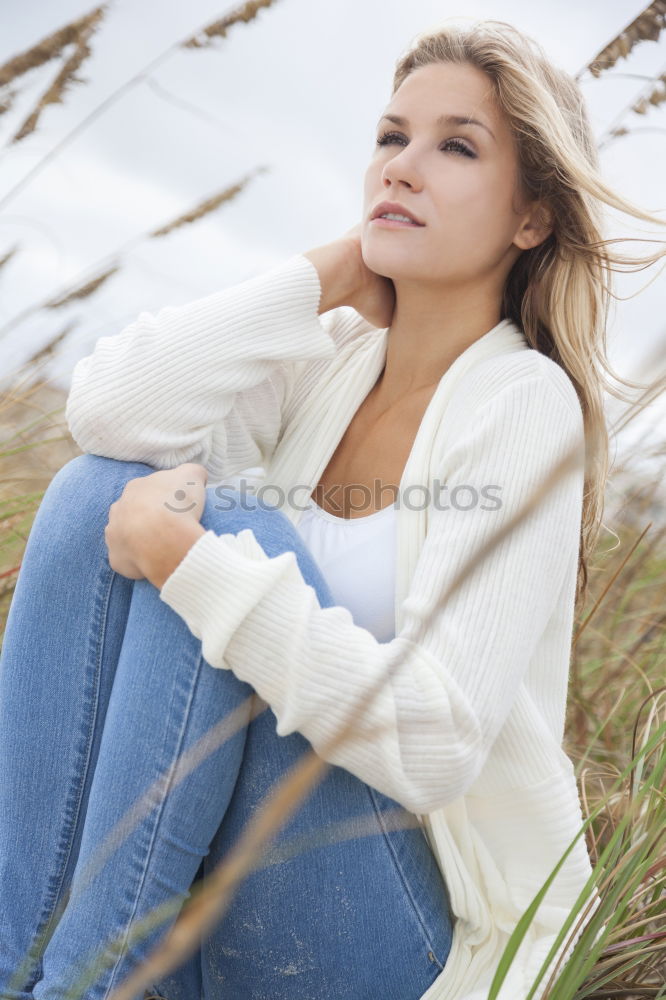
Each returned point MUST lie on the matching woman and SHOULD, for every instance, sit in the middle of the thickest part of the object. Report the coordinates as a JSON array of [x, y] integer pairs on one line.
[[450, 362]]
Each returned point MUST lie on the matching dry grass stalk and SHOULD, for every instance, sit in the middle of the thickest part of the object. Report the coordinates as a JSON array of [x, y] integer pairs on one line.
[[55, 92], [632, 963], [609, 584], [647, 26], [204, 207], [82, 291], [8, 256], [90, 285], [656, 97], [224, 729], [49, 349], [210, 899], [76, 33], [244, 14], [218, 29]]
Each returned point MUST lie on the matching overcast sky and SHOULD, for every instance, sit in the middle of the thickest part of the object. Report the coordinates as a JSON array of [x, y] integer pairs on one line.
[[289, 100]]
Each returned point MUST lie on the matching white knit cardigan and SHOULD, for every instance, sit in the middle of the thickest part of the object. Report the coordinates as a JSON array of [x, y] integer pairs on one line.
[[467, 733]]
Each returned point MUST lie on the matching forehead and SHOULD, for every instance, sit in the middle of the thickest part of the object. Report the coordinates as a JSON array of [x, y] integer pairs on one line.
[[448, 88]]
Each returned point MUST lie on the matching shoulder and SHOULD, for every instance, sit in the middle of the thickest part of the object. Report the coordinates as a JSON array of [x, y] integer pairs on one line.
[[524, 375], [518, 403]]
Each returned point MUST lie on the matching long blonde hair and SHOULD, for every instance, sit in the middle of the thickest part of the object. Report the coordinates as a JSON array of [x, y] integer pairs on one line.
[[559, 292]]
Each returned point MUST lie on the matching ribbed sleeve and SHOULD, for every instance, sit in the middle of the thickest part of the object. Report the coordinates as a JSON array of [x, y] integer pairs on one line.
[[206, 381], [457, 667]]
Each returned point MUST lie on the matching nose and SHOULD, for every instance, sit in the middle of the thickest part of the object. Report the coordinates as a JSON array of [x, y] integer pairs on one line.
[[402, 168]]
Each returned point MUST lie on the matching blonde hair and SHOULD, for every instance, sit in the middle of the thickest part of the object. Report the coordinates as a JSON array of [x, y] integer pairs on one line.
[[559, 292]]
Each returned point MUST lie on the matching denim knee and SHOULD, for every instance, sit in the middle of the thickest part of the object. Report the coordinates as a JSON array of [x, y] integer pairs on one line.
[[82, 491], [228, 510], [95, 476]]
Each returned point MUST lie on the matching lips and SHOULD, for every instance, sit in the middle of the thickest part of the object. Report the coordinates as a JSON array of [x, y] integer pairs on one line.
[[396, 209]]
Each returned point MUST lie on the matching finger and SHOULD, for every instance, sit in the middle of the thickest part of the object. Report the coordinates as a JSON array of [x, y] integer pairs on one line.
[[200, 470]]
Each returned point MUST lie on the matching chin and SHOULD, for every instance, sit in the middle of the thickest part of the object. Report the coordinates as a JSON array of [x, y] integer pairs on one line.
[[389, 264]]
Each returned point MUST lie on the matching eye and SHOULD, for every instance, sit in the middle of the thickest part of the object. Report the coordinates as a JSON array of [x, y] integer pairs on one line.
[[388, 138]]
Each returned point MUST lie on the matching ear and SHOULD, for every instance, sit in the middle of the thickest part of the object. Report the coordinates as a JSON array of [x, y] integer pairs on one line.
[[537, 225]]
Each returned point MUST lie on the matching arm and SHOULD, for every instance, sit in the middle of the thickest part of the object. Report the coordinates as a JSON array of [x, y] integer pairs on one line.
[[456, 669], [208, 381]]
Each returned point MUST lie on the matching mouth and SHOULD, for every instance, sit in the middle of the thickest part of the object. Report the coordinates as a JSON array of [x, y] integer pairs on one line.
[[397, 214], [394, 224]]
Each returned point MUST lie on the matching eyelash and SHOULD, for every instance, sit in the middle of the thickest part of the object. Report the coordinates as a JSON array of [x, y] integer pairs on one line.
[[456, 143]]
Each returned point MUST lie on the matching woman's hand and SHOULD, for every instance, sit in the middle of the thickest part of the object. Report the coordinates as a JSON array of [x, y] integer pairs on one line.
[[346, 279], [374, 297], [155, 521]]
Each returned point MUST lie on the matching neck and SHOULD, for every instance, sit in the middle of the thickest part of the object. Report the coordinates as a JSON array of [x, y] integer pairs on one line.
[[426, 336]]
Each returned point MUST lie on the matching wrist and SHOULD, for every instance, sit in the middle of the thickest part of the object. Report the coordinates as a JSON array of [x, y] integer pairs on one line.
[[174, 545], [337, 267]]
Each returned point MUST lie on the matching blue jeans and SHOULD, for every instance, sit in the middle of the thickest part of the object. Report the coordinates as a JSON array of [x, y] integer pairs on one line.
[[102, 689]]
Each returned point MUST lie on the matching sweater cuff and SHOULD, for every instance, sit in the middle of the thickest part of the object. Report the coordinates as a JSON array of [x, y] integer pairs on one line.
[[218, 582], [314, 342]]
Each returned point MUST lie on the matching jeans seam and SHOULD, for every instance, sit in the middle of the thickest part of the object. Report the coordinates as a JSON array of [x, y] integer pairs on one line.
[[403, 878], [96, 638], [173, 770]]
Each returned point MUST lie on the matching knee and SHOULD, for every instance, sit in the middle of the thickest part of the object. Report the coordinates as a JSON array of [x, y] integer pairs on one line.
[[228, 510], [91, 482]]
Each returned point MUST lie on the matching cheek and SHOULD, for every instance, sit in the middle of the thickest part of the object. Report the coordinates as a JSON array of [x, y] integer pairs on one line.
[[372, 179], [462, 205], [484, 199]]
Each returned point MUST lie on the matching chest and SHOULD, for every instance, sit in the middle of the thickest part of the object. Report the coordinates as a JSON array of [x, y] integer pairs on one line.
[[364, 472]]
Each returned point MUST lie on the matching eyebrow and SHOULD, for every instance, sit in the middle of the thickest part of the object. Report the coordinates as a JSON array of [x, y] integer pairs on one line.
[[442, 120]]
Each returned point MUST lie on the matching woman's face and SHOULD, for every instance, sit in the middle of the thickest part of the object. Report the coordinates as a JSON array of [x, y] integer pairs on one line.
[[458, 179]]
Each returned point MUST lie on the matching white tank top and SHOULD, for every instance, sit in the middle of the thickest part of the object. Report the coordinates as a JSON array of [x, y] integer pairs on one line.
[[357, 558]]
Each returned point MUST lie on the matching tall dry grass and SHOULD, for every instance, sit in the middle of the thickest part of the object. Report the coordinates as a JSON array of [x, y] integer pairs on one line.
[[99, 273], [615, 729], [646, 26], [76, 35], [79, 31]]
